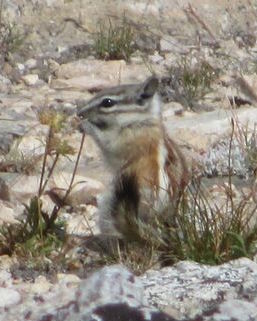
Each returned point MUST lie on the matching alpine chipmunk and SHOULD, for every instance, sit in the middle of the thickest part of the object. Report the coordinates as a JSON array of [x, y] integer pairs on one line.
[[148, 167]]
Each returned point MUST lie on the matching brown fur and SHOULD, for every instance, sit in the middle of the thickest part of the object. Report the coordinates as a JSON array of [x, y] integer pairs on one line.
[[143, 161], [176, 168]]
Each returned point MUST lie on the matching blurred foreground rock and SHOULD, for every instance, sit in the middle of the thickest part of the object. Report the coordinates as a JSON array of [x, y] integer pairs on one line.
[[187, 291]]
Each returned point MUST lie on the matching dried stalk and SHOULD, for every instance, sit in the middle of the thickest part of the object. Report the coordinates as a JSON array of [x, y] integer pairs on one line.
[[191, 11]]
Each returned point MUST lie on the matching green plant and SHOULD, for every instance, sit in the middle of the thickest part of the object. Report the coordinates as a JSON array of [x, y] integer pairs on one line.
[[41, 233], [192, 82], [199, 227], [247, 140], [114, 40]]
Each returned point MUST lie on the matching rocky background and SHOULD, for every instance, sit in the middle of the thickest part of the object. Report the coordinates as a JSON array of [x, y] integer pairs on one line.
[[51, 58]]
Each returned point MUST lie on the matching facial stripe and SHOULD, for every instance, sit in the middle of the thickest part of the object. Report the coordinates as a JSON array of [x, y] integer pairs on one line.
[[120, 110], [121, 101]]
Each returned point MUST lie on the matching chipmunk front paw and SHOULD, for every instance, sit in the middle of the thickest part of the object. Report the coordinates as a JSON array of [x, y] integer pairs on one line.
[[87, 127]]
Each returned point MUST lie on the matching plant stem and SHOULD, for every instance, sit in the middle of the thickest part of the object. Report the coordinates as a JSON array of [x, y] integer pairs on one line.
[[58, 207], [44, 162], [50, 173]]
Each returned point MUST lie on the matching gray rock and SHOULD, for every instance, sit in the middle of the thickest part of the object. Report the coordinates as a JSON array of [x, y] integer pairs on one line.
[[95, 74], [199, 292], [30, 79], [31, 63], [5, 84], [186, 291], [216, 160], [9, 297], [111, 294], [6, 141]]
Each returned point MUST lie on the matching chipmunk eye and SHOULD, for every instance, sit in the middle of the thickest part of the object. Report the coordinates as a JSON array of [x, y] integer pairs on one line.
[[107, 102]]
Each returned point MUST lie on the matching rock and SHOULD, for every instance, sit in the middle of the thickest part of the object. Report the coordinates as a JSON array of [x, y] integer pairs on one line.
[[8, 297], [7, 213], [97, 74], [85, 190], [5, 277], [31, 63], [5, 84], [114, 291], [215, 160], [12, 72], [31, 146], [20, 67], [82, 223], [41, 285], [93, 67], [202, 130], [53, 66], [156, 58], [186, 291], [30, 79], [68, 278], [6, 141], [236, 310], [24, 186], [4, 190], [170, 44], [109, 293], [197, 292]]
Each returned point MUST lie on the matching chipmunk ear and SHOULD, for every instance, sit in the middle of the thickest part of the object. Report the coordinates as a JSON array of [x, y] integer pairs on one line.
[[149, 87]]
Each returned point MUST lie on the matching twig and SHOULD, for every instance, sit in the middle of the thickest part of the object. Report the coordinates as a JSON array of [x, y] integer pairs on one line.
[[76, 24], [58, 207], [190, 10], [50, 173], [44, 161], [230, 194], [75, 168]]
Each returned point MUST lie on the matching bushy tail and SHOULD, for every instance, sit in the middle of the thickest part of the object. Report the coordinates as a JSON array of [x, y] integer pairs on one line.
[[125, 206]]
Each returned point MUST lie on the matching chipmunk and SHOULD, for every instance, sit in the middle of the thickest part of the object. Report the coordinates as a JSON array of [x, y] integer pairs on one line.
[[148, 167]]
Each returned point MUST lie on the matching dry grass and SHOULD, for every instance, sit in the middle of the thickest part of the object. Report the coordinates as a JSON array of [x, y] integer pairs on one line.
[[40, 234], [114, 40]]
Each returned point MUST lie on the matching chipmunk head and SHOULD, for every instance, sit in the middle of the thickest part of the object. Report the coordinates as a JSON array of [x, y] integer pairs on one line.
[[116, 116], [121, 106]]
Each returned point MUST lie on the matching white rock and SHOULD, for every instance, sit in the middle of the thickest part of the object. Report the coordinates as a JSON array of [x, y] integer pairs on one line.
[[7, 213], [67, 278], [201, 130], [20, 67], [8, 297], [189, 289], [41, 285], [4, 80], [30, 79], [25, 186], [5, 277], [237, 310], [5, 84], [31, 146], [31, 63]]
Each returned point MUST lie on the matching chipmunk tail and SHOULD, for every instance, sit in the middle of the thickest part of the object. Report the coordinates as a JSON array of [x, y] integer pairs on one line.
[[125, 206]]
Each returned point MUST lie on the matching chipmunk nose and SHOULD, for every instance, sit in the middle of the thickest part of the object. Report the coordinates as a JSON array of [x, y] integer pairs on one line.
[[82, 110]]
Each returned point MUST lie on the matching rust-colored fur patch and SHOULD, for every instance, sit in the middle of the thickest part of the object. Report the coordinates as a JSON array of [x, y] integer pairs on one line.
[[143, 158]]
